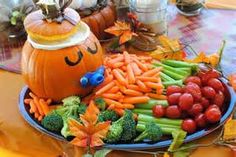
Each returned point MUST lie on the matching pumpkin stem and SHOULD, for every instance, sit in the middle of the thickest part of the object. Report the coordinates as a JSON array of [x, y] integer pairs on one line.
[[53, 10]]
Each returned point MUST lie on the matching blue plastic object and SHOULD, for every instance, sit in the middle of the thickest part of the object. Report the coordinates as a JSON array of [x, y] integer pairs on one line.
[[93, 78], [227, 111]]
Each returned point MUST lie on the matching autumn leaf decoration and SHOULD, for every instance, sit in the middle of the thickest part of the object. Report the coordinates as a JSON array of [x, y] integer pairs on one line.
[[89, 133], [213, 59], [121, 30], [168, 49]]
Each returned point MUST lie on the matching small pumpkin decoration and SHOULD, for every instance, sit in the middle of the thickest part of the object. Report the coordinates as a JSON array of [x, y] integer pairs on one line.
[[59, 51], [101, 19]]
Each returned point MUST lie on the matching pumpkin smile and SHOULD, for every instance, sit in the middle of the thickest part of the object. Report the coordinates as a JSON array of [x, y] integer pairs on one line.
[[93, 51]]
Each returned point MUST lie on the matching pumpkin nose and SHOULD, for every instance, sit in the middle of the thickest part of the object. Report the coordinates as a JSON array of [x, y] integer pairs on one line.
[[93, 78]]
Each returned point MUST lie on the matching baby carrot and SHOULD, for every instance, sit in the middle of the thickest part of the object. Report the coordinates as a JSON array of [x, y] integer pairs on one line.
[[111, 107], [153, 85], [136, 100], [44, 106], [131, 92], [128, 106], [141, 85], [136, 69], [105, 88], [130, 73], [121, 87], [117, 65], [36, 103], [124, 68], [123, 73], [119, 77], [36, 115], [40, 118], [119, 111], [133, 87], [112, 96], [27, 101], [114, 89], [115, 60], [157, 96], [126, 57], [140, 65], [33, 108], [151, 72], [144, 78]]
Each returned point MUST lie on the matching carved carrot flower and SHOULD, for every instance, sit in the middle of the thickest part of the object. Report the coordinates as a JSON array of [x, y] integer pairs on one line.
[[89, 133]]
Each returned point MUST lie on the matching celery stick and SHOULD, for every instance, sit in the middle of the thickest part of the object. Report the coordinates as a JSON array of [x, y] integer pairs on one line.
[[146, 118], [188, 70], [180, 64], [173, 75], [165, 130], [169, 83], [165, 77], [162, 125], [143, 111], [151, 103], [175, 70]]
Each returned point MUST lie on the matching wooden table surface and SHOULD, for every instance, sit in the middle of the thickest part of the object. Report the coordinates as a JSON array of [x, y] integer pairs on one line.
[[203, 32]]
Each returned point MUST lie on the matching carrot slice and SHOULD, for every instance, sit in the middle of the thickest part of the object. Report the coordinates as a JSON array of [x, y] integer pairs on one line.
[[119, 77], [105, 88], [130, 73], [136, 100]]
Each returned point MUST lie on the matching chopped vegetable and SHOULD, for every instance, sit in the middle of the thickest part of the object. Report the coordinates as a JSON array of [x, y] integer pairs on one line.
[[178, 139], [152, 132], [108, 115], [101, 104], [151, 103]]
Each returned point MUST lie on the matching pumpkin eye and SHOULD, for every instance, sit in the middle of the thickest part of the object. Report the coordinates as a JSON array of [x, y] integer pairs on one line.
[[70, 63], [93, 51]]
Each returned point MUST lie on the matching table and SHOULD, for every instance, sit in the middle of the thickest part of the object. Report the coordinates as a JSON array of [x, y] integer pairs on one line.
[[202, 32]]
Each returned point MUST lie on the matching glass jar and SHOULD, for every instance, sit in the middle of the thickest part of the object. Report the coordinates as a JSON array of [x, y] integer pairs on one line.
[[152, 13], [189, 7]]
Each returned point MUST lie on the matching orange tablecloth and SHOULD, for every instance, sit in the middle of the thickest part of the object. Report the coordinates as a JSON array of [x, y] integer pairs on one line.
[[17, 135]]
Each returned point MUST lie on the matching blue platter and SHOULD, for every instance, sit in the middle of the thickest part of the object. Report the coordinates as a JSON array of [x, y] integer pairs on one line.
[[227, 111]]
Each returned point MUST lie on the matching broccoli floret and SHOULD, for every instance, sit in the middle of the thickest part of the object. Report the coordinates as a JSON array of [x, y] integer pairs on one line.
[[115, 132], [53, 122], [72, 100], [129, 127], [108, 115], [101, 104], [152, 132], [82, 108], [124, 129]]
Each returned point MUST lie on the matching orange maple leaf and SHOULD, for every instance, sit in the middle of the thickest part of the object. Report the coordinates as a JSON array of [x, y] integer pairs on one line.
[[169, 49], [89, 132], [212, 59], [232, 80], [123, 30]]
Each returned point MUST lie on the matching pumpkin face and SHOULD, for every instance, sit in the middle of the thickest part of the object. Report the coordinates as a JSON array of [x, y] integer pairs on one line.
[[99, 21], [56, 74]]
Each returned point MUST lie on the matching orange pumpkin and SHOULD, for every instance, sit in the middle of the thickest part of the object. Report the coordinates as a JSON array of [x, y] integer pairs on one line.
[[56, 73], [101, 20]]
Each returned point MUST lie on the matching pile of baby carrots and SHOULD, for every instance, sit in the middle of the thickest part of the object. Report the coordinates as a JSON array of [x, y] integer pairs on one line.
[[38, 107], [129, 80]]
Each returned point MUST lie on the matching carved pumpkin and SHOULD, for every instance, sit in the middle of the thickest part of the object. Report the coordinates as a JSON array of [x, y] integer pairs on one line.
[[54, 71], [101, 20]]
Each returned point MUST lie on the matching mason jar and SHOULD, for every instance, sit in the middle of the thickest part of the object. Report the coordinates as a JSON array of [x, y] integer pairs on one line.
[[152, 13]]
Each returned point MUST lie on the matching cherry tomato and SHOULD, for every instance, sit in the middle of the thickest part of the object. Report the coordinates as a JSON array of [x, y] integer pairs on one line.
[[208, 75], [194, 90], [173, 89], [186, 101], [193, 79], [205, 102], [189, 126], [213, 115], [200, 120], [173, 99], [173, 112], [196, 109], [158, 111], [216, 84], [219, 99], [213, 106], [184, 114], [208, 92]]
